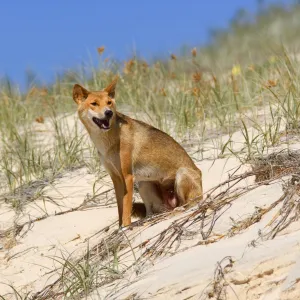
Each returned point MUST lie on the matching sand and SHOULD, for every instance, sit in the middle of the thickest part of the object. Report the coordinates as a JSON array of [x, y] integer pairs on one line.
[[242, 266]]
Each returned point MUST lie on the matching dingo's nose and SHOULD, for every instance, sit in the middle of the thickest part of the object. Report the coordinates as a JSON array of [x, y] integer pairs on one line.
[[108, 113]]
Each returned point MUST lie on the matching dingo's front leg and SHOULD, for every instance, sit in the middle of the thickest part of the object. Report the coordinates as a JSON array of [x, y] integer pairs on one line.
[[120, 192], [127, 201]]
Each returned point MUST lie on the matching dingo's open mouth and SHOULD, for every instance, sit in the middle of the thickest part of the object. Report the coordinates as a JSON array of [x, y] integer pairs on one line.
[[102, 123]]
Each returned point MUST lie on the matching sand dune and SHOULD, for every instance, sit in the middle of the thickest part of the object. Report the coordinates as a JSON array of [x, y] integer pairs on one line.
[[237, 259]]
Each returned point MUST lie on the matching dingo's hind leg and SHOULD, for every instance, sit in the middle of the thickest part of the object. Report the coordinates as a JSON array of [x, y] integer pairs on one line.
[[188, 185]]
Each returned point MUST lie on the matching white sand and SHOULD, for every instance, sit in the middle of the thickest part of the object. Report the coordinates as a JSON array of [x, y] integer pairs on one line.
[[262, 269]]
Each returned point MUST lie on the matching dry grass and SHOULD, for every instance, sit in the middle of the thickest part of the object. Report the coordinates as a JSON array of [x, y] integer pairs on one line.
[[276, 165], [289, 211], [217, 289]]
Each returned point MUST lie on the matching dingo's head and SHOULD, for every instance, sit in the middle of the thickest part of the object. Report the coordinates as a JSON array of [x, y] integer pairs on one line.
[[97, 110]]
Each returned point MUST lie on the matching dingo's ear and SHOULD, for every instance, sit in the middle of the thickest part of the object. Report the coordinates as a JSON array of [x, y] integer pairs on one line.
[[110, 89], [79, 93]]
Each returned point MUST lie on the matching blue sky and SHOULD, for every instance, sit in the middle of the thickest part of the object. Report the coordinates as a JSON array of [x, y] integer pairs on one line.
[[51, 36]]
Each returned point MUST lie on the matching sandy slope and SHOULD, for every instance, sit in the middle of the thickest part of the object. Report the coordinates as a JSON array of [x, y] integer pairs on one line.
[[258, 268]]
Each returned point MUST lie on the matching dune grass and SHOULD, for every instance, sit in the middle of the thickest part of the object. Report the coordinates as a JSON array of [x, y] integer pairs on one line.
[[183, 104]]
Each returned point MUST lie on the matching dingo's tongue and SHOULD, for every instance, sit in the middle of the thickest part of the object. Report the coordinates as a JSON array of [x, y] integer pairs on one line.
[[102, 123], [105, 124]]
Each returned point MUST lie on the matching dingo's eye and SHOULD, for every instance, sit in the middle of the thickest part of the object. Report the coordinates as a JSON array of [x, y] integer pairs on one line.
[[94, 103], [109, 102]]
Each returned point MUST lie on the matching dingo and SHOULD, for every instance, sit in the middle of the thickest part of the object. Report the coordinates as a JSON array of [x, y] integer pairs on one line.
[[131, 150]]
